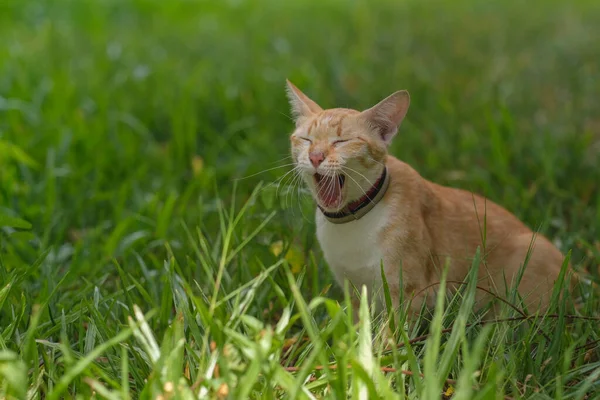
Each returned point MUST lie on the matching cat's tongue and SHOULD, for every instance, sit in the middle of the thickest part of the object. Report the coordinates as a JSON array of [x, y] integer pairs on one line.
[[329, 189]]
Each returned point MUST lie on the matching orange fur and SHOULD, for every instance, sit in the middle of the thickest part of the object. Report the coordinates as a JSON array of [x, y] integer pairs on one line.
[[419, 226]]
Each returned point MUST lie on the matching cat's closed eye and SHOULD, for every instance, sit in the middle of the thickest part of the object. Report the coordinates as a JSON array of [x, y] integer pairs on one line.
[[305, 139], [336, 142]]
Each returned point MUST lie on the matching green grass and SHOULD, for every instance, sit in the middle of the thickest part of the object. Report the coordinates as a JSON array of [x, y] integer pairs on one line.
[[135, 263]]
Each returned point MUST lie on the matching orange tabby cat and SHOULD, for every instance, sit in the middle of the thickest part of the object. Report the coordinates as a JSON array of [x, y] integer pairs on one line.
[[374, 208]]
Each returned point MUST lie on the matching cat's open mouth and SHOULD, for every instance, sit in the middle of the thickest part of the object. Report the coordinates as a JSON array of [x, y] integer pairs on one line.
[[329, 189]]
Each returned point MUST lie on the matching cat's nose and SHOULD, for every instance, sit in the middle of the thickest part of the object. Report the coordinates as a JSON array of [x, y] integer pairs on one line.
[[316, 158]]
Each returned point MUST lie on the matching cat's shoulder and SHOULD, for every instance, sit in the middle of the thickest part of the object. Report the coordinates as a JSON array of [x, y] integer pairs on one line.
[[401, 170]]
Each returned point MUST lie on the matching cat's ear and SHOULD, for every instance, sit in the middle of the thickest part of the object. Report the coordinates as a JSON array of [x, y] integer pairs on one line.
[[302, 106], [386, 116]]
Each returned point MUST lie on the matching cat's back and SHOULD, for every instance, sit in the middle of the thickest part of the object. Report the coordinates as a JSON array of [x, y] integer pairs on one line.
[[437, 203], [462, 207]]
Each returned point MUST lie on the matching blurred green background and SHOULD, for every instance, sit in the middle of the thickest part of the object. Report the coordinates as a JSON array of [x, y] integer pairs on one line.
[[125, 125]]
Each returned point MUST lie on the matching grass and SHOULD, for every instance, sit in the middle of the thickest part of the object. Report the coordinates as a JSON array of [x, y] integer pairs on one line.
[[136, 263]]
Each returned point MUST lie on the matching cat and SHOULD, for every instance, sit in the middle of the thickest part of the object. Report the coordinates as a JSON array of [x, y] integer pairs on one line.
[[374, 209]]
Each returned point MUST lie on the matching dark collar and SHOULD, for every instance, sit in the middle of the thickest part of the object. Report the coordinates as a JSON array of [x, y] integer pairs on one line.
[[359, 208]]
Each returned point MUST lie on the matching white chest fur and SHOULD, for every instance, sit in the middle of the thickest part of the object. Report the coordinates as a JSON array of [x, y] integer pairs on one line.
[[353, 249]]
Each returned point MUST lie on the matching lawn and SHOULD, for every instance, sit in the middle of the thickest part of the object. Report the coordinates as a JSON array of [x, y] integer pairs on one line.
[[152, 247]]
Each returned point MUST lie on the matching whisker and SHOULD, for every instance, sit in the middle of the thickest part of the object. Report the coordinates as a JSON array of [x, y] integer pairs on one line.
[[278, 180], [375, 161], [287, 116], [327, 187], [355, 171], [298, 184], [263, 171], [281, 182], [330, 184], [290, 191], [281, 159], [360, 187], [333, 182], [299, 204]]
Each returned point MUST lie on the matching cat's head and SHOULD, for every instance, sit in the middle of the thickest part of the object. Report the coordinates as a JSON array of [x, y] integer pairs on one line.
[[340, 153]]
